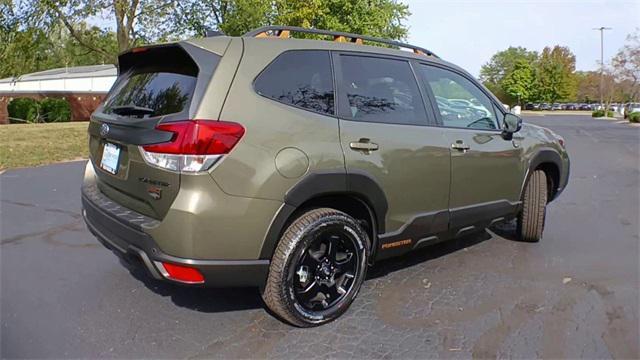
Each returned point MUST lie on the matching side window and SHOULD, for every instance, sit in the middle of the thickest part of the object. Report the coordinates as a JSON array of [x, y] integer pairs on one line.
[[460, 102], [299, 78], [380, 90]]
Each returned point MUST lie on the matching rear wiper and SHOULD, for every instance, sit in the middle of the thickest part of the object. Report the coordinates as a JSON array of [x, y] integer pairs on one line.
[[132, 110]]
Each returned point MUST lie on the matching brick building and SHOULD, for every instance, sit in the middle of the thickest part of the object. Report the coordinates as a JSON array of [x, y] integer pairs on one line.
[[83, 86]]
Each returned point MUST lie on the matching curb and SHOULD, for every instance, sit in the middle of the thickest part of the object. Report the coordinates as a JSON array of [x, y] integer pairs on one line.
[[627, 122], [556, 112]]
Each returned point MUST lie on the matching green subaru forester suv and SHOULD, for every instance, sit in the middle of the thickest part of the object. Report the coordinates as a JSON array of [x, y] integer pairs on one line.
[[294, 164]]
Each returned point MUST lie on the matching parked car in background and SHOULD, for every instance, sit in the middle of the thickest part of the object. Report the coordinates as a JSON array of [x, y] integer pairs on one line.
[[630, 108], [556, 107], [545, 106], [584, 107], [570, 107], [529, 106], [450, 110], [469, 105]]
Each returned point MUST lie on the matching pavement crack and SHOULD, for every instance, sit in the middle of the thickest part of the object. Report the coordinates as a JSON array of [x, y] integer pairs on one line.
[[48, 236], [73, 214]]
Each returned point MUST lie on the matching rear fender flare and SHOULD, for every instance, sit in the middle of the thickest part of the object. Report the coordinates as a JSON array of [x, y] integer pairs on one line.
[[315, 185]]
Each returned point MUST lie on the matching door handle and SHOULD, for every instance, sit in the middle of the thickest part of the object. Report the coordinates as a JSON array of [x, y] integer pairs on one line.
[[364, 145], [460, 145]]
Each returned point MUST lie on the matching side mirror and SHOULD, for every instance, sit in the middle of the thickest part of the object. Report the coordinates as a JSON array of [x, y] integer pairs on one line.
[[512, 124]]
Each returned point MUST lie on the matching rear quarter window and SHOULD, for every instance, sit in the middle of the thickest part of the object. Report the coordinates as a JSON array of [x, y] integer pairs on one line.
[[300, 78]]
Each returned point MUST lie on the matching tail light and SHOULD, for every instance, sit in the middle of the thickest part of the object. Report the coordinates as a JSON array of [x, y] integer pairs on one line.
[[195, 146]]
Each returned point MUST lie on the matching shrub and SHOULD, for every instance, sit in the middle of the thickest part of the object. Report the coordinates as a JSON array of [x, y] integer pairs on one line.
[[634, 117], [600, 113], [25, 109], [55, 110]]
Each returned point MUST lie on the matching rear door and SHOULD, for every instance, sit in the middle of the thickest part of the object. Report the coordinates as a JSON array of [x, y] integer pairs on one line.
[[486, 169], [155, 84], [386, 133]]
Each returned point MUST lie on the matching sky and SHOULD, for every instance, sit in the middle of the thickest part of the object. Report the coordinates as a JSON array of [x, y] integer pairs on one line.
[[467, 33]]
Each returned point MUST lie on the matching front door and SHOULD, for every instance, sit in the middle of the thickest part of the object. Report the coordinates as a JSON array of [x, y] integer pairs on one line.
[[486, 169], [385, 134]]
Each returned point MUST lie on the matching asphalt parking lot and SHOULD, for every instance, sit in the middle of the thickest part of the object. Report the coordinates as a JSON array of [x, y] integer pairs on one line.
[[575, 294]]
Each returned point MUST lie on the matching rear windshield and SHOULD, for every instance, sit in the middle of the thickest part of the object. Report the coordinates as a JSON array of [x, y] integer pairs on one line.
[[154, 82]]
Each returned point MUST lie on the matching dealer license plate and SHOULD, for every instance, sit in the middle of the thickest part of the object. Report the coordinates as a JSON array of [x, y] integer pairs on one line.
[[110, 158]]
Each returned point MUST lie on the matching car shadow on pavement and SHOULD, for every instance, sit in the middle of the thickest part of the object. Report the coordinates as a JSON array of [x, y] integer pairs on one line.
[[214, 300], [507, 230], [207, 300], [427, 253]]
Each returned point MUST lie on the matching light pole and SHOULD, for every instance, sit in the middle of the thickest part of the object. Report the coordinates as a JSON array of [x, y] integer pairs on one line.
[[602, 29]]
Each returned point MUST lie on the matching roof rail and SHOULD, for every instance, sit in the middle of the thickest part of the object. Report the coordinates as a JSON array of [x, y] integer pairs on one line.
[[285, 32]]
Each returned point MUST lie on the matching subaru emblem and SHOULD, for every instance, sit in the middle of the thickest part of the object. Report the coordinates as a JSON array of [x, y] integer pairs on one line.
[[104, 130]]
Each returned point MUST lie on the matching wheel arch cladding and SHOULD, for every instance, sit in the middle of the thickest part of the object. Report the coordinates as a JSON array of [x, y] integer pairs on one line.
[[350, 193], [550, 162]]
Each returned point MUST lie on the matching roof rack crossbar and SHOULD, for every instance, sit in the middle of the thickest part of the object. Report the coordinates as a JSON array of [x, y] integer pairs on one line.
[[285, 32]]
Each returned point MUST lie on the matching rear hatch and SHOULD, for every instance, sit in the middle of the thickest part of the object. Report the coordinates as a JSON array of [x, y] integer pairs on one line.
[[156, 85]]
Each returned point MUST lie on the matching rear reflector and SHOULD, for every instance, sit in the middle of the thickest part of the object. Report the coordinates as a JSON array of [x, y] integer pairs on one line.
[[195, 146], [183, 274]]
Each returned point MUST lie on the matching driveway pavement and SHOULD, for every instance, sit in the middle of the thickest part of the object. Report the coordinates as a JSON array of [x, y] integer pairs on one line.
[[575, 294]]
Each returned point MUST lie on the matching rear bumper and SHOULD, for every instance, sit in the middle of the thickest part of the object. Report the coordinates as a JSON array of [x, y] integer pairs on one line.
[[122, 231]]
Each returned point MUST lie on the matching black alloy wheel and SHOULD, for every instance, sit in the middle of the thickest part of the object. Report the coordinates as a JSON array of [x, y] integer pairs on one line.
[[326, 271], [317, 268]]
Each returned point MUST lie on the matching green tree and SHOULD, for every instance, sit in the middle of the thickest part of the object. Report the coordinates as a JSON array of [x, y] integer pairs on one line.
[[520, 81], [555, 76], [626, 65], [384, 18], [500, 66], [32, 27], [503, 62], [381, 18], [588, 86], [32, 49], [134, 21], [233, 17]]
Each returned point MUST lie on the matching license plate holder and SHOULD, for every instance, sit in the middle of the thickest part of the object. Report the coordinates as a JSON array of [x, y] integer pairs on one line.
[[110, 158]]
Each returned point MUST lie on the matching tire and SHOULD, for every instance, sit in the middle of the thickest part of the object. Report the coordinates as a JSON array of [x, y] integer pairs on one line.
[[534, 206], [315, 252]]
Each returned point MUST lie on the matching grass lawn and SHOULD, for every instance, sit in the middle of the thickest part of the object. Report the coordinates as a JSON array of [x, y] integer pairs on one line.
[[39, 144]]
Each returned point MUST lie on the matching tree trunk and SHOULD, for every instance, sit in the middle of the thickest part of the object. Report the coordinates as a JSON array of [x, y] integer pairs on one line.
[[125, 12], [121, 34]]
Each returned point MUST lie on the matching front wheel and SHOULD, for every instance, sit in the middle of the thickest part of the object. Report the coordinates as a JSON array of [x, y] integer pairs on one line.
[[317, 268], [534, 207]]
